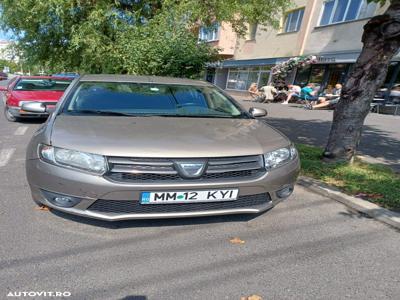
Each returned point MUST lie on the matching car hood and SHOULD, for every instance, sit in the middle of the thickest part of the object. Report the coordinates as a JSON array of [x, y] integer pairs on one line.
[[165, 136], [38, 95]]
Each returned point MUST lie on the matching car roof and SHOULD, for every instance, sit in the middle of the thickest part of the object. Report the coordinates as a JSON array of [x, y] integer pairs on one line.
[[45, 77], [142, 79]]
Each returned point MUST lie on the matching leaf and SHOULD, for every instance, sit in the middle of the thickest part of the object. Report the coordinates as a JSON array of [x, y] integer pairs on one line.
[[369, 196], [129, 37], [236, 240], [252, 297], [43, 208]]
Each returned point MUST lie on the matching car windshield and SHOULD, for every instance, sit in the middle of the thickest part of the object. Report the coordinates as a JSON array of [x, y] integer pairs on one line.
[[29, 84], [145, 99]]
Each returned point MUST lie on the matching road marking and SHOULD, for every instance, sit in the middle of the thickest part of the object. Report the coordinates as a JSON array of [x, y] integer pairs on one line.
[[21, 130], [5, 156]]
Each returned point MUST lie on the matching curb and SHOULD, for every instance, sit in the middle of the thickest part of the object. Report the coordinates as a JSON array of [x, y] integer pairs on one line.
[[372, 210]]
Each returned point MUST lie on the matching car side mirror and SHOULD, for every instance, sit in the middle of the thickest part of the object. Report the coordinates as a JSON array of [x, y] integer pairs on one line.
[[258, 112], [34, 107]]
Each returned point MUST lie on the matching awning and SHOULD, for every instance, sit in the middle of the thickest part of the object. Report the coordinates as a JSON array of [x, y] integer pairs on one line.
[[343, 57], [337, 57], [233, 63], [323, 58]]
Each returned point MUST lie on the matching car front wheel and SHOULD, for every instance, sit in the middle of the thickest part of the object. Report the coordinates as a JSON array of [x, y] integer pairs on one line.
[[9, 116]]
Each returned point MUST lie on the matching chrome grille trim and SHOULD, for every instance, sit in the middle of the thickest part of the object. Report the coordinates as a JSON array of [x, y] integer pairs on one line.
[[138, 161], [143, 169], [134, 206], [234, 160], [233, 167], [125, 169]]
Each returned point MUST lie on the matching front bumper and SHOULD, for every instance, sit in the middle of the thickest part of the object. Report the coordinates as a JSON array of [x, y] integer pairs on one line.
[[93, 190], [19, 113]]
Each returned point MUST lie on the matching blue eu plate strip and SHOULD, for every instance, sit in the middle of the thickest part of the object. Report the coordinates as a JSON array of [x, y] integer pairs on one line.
[[145, 198]]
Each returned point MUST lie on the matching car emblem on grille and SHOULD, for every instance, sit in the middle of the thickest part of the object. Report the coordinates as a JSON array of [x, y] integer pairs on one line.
[[190, 169]]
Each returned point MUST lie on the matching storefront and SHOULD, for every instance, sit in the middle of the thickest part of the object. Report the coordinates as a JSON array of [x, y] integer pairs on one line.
[[238, 75], [333, 69], [329, 69], [323, 74], [240, 79]]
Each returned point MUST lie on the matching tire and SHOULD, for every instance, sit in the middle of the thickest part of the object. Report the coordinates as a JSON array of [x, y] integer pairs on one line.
[[8, 115], [37, 202]]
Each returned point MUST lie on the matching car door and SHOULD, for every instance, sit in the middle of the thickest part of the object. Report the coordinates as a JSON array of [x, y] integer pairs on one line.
[[6, 94]]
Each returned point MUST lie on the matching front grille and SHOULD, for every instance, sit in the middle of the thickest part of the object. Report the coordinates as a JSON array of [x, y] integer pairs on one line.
[[134, 207], [124, 169]]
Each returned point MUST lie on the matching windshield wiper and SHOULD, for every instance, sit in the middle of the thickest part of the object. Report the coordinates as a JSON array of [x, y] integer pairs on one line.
[[200, 116], [116, 113], [100, 112]]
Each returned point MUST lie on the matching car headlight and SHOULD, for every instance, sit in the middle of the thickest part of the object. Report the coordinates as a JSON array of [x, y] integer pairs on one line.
[[279, 157], [93, 163]]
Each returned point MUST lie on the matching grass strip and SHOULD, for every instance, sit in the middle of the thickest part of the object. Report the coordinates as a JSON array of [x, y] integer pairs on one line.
[[373, 182]]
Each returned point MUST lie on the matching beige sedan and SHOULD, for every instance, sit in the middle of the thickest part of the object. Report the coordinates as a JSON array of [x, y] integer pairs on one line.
[[125, 147]]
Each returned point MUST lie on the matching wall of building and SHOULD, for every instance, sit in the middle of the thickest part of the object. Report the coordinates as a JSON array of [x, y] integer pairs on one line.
[[226, 40], [341, 37], [336, 47], [5, 53], [270, 42]]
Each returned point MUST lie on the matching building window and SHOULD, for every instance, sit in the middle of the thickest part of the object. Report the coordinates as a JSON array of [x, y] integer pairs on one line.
[[240, 79], [252, 31], [210, 33], [293, 20], [337, 11]]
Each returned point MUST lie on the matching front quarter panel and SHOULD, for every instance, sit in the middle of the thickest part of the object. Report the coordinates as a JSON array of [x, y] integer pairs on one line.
[[43, 134]]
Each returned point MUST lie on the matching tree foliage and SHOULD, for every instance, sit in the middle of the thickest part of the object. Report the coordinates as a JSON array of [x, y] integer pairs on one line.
[[10, 64], [126, 36]]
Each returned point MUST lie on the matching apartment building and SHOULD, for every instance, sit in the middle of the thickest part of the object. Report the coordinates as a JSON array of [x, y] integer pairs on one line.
[[331, 30]]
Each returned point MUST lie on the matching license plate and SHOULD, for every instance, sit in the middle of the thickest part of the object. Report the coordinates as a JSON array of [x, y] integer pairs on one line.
[[188, 196]]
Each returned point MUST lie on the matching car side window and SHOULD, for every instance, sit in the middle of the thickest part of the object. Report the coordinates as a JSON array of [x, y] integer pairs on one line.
[[218, 101]]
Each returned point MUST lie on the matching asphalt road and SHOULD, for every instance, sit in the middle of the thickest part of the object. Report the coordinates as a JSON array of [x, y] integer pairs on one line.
[[308, 247], [380, 141]]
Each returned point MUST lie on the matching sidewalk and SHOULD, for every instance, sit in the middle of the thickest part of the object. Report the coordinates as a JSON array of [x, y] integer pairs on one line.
[[380, 141]]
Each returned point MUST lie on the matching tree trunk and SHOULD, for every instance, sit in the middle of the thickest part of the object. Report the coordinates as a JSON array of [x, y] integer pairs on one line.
[[381, 41]]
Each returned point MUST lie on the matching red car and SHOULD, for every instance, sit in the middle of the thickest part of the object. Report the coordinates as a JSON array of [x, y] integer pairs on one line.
[[23, 89]]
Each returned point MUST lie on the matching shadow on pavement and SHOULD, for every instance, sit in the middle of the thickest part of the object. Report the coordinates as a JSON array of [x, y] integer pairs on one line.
[[156, 222], [374, 142], [31, 121]]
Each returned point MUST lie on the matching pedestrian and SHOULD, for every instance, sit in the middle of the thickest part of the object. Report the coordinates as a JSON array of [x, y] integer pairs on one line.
[[328, 100], [269, 91], [309, 93], [253, 91], [294, 91]]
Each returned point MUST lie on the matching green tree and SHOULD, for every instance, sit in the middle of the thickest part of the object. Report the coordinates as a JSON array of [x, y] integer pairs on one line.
[[126, 36], [10, 64]]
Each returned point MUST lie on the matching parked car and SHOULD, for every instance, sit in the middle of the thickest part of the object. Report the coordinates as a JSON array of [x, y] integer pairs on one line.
[[126, 147], [68, 74], [24, 89], [3, 76]]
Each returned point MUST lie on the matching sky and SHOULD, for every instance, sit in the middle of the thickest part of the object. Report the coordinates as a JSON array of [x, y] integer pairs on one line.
[[4, 35]]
